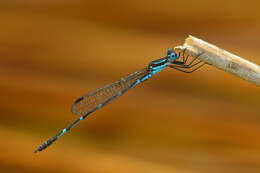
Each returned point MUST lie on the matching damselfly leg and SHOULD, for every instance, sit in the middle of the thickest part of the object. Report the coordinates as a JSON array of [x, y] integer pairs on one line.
[[186, 64]]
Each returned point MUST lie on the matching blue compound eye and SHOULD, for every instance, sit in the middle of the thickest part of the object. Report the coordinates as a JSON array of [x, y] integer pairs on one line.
[[169, 51], [172, 55]]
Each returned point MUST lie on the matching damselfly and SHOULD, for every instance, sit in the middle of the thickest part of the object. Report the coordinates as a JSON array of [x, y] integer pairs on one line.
[[92, 101]]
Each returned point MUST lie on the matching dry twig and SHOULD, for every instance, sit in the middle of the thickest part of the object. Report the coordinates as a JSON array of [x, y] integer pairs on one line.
[[221, 59]]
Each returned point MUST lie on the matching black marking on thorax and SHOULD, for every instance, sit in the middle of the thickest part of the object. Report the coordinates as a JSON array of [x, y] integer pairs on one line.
[[158, 62]]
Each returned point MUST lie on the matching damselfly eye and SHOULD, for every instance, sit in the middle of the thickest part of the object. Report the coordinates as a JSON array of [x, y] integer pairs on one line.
[[169, 51], [173, 56]]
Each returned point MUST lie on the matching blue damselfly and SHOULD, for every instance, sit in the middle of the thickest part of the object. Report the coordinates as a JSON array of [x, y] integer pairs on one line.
[[92, 101]]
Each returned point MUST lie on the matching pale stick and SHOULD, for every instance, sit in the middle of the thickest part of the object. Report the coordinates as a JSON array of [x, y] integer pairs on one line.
[[221, 59]]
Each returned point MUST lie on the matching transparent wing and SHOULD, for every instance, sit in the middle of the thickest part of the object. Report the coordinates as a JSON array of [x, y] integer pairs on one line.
[[107, 93]]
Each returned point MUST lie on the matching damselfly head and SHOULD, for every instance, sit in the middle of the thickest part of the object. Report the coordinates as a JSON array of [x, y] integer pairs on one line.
[[172, 56]]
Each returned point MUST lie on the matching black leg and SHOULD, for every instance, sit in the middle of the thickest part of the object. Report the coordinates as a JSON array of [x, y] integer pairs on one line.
[[194, 59], [183, 57], [181, 65], [172, 66], [186, 59], [185, 71], [189, 66]]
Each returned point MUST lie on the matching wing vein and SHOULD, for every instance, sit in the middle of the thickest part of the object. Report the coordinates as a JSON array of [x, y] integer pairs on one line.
[[107, 93]]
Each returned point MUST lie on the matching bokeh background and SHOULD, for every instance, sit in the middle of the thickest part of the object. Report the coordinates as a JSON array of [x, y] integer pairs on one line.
[[52, 52]]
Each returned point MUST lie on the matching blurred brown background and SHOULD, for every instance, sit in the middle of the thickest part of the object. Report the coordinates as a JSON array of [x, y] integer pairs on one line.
[[52, 52]]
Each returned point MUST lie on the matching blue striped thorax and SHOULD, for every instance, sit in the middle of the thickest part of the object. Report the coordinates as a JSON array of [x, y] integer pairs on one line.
[[159, 64]]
